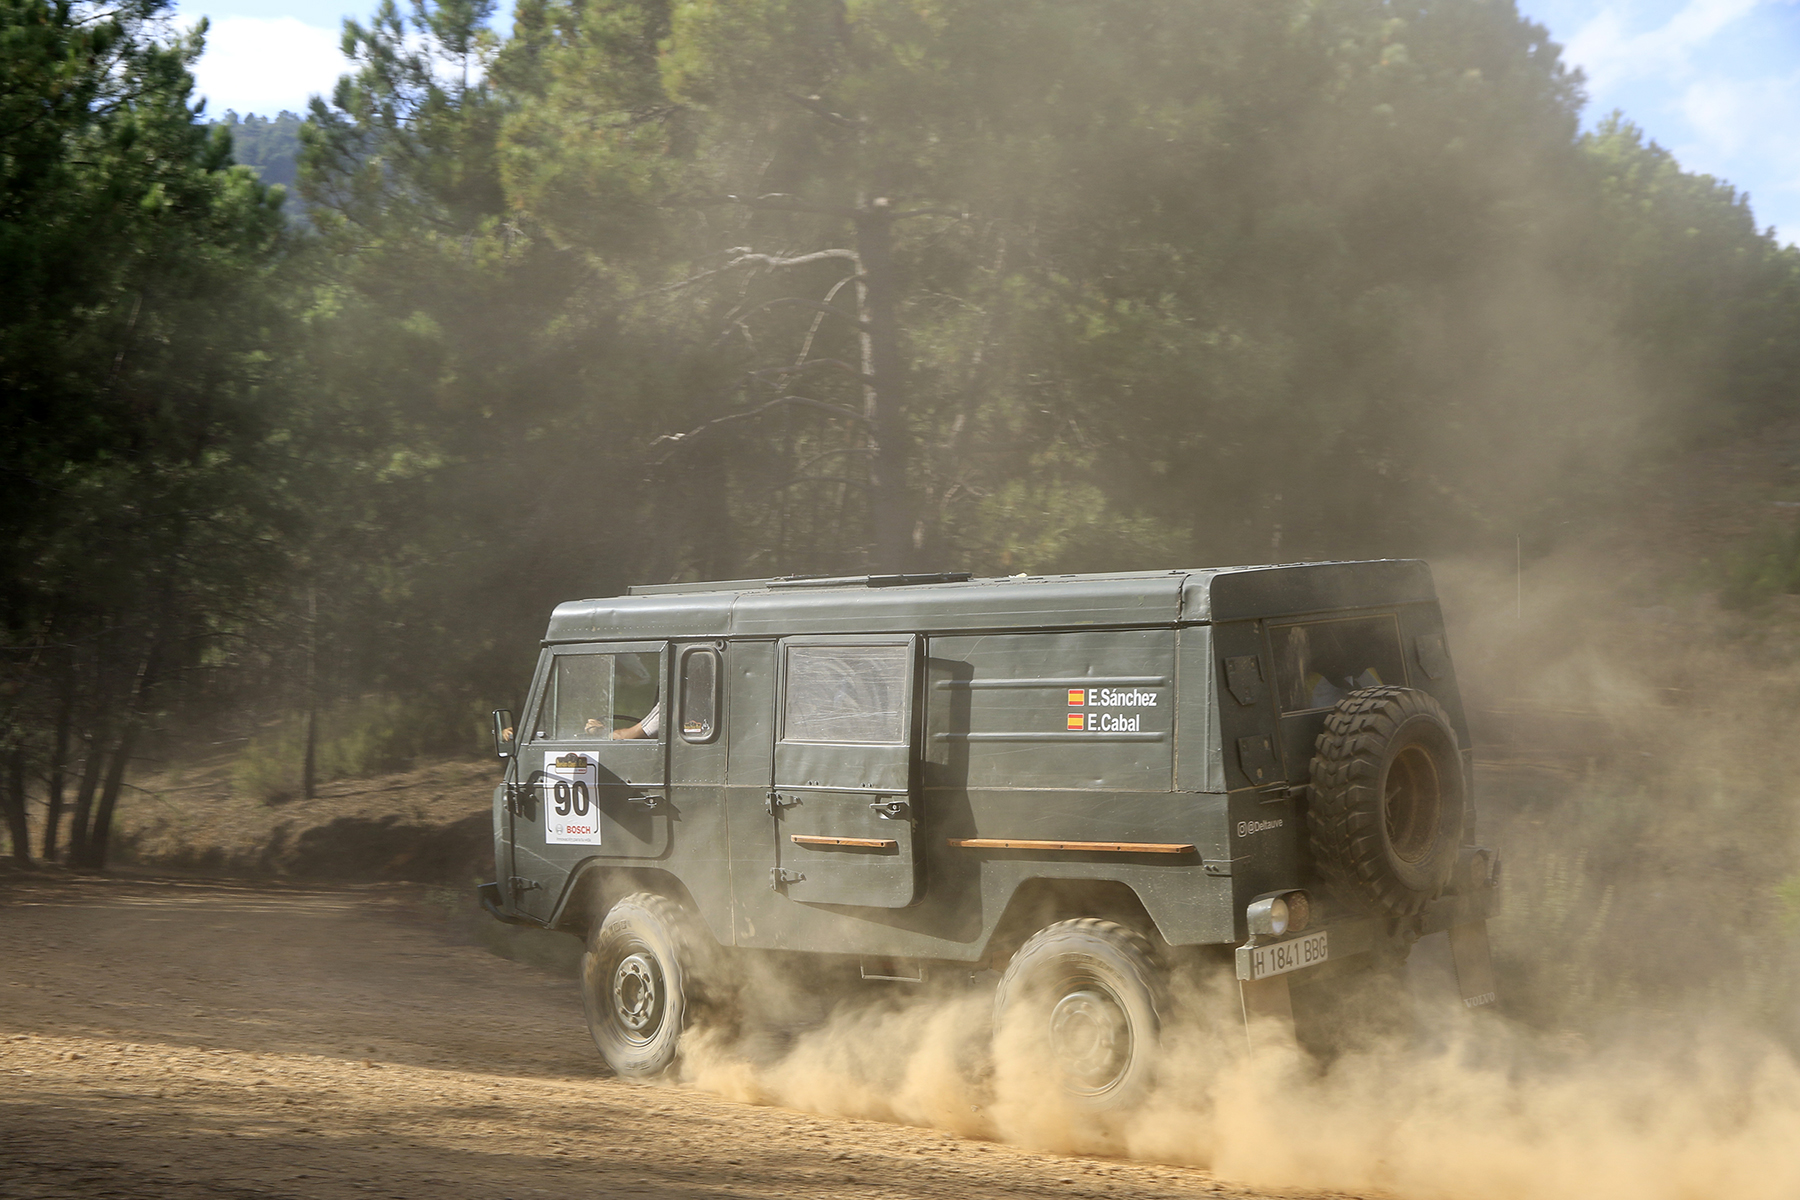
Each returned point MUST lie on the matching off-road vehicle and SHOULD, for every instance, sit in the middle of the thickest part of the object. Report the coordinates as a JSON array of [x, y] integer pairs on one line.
[[1072, 782]]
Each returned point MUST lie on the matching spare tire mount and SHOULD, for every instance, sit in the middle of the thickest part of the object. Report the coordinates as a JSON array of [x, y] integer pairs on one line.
[[1389, 800]]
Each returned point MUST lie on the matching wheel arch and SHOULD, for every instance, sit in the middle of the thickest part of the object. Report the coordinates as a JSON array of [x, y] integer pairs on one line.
[[595, 886], [1044, 900]]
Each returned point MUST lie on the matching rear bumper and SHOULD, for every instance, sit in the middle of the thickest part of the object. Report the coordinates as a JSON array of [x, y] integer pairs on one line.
[[1349, 937]]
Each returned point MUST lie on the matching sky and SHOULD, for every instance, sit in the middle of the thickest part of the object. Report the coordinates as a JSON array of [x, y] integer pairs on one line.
[[1715, 81]]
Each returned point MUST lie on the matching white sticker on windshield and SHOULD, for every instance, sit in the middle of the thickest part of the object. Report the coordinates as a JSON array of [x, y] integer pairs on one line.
[[570, 816]]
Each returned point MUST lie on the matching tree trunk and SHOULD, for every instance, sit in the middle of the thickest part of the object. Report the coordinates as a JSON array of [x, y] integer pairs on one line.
[[309, 761], [100, 836], [891, 516], [59, 765], [93, 765], [15, 806]]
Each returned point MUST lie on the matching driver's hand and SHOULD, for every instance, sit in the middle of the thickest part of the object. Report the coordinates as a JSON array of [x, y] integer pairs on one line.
[[593, 726]]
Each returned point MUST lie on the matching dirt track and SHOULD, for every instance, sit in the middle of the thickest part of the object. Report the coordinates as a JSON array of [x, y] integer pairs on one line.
[[178, 1039]]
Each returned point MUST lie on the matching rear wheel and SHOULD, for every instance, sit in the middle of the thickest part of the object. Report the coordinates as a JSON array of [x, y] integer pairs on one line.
[[638, 983], [1081, 999]]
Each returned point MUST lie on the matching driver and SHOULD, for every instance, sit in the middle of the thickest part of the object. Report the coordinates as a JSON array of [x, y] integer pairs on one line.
[[649, 727]]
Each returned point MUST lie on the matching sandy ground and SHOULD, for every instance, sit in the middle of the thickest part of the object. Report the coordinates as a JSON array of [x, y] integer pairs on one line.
[[167, 1038]]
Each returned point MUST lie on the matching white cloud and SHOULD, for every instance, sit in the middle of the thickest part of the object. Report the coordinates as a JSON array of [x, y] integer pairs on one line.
[[1610, 55], [1713, 80], [265, 64], [1748, 128], [1732, 115]]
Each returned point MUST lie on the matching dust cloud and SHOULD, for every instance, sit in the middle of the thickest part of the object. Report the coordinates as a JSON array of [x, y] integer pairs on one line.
[[1496, 1113], [1637, 771]]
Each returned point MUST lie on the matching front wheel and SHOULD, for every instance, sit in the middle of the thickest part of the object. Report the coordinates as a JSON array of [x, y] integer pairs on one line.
[[637, 983], [1081, 998]]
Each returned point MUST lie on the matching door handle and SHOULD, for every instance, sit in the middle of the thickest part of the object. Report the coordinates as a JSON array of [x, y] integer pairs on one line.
[[889, 810], [645, 802]]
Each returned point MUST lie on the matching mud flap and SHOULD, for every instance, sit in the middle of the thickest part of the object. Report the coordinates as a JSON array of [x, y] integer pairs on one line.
[[489, 895], [1268, 1012], [1474, 964]]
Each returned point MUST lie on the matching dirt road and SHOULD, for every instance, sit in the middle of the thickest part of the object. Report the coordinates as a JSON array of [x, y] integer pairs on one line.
[[179, 1039]]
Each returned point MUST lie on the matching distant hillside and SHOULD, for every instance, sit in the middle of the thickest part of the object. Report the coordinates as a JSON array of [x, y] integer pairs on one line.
[[272, 147]]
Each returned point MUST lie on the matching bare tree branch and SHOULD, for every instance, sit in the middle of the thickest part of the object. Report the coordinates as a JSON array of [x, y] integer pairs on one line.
[[746, 255], [938, 211], [816, 107], [677, 440], [782, 202], [798, 302], [812, 331], [838, 479], [770, 260]]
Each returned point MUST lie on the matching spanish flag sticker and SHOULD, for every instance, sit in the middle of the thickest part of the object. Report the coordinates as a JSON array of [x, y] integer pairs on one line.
[[1076, 721], [1077, 697]]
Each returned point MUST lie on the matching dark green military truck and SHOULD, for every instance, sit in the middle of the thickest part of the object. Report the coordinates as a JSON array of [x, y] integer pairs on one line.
[[1074, 781]]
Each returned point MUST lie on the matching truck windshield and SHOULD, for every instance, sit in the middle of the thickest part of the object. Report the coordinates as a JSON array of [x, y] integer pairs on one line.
[[1319, 663]]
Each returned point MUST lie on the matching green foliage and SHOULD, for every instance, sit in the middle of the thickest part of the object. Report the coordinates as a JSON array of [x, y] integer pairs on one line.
[[142, 507], [1788, 893], [355, 739], [1766, 566], [1342, 230], [1707, 301], [1644, 885], [270, 146], [660, 289]]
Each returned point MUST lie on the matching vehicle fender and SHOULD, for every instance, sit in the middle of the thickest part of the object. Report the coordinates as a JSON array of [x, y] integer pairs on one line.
[[594, 886], [1042, 901]]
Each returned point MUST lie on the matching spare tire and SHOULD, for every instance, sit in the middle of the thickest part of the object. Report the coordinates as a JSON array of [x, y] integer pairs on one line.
[[1389, 801]]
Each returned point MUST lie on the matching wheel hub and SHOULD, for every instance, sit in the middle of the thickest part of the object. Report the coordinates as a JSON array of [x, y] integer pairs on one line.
[[637, 994], [1090, 1037], [1412, 799]]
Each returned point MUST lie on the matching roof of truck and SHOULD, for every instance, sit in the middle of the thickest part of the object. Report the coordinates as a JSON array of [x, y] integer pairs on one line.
[[953, 602]]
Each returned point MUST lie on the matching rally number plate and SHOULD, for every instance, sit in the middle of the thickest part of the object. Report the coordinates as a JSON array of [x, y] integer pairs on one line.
[[1278, 959]]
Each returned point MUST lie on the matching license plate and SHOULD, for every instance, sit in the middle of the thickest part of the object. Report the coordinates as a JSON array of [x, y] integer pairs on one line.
[[1281, 957]]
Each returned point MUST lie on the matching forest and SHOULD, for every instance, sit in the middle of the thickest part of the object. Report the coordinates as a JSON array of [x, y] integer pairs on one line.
[[655, 290]]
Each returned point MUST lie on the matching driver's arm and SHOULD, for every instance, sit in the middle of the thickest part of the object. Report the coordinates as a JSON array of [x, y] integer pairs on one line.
[[649, 727]]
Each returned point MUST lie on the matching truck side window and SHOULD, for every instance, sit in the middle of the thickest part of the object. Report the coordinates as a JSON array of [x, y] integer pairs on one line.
[[588, 696], [699, 693], [841, 694], [1319, 663]]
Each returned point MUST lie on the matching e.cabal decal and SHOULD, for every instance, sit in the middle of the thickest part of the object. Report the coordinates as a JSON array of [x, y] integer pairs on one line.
[[1097, 700], [570, 816]]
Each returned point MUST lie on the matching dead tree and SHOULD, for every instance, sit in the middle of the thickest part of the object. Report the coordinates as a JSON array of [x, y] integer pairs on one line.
[[881, 371]]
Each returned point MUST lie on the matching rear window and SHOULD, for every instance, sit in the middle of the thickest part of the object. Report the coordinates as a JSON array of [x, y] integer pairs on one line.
[[846, 694], [1320, 662]]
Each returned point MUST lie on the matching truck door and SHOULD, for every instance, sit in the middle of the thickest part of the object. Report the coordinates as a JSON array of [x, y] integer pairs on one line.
[[844, 787], [587, 793]]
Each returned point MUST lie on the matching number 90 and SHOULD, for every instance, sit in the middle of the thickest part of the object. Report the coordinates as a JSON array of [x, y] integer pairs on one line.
[[573, 798]]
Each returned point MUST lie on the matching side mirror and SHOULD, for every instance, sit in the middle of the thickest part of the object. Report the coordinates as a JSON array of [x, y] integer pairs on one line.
[[503, 733]]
